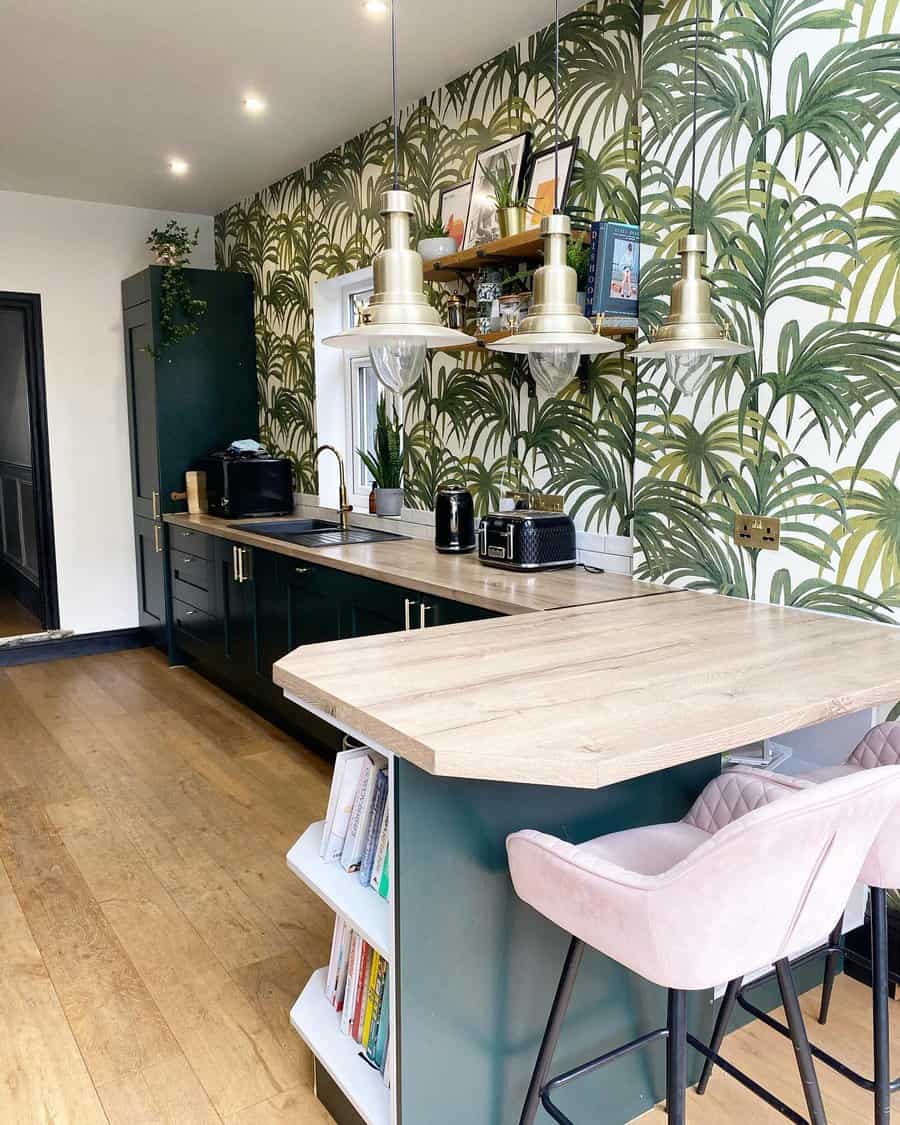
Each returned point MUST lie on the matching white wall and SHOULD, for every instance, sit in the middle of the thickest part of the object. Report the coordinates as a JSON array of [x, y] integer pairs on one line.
[[75, 256]]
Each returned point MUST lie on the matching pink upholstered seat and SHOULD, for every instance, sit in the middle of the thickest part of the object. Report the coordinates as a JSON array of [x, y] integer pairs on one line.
[[662, 900], [880, 747]]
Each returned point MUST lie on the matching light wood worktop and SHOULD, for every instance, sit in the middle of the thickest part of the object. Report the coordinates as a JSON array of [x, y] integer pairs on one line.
[[591, 696], [414, 563]]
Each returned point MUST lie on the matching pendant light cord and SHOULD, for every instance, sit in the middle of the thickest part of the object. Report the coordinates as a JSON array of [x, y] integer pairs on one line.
[[396, 96], [694, 113], [556, 119]]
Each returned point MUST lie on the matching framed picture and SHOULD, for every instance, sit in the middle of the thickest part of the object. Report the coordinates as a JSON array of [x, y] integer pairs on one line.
[[511, 155], [542, 181], [454, 207]]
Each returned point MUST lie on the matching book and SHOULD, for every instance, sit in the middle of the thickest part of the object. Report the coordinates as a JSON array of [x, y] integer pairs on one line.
[[337, 940], [362, 983], [344, 783], [379, 808], [353, 966], [590, 287], [379, 1013], [355, 839], [371, 1000], [384, 884], [340, 982], [381, 850], [614, 270]]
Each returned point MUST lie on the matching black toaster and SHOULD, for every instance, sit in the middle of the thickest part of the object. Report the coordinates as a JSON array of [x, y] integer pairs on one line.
[[527, 540]]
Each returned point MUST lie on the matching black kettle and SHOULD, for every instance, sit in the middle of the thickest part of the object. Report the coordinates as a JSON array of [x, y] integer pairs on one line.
[[454, 520]]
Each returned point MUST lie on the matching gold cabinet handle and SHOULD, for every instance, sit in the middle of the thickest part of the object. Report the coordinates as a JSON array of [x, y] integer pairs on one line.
[[423, 609], [301, 570], [407, 610], [156, 540], [154, 500], [235, 564]]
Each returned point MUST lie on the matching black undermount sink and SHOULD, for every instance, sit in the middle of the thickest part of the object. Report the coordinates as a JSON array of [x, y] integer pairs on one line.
[[316, 533]]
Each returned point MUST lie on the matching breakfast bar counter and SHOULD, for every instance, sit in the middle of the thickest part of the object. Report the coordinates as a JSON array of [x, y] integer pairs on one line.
[[575, 722]]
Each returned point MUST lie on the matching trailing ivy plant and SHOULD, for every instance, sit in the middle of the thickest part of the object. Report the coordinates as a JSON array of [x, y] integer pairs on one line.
[[179, 309]]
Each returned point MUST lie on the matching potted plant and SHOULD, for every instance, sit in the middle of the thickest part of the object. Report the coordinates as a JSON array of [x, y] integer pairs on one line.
[[512, 204], [179, 310], [435, 241], [172, 245], [386, 463]]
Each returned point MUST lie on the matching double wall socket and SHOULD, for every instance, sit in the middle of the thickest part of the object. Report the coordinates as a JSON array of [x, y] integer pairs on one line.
[[759, 533]]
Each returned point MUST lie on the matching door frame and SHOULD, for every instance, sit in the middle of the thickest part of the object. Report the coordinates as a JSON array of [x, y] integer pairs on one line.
[[30, 305]]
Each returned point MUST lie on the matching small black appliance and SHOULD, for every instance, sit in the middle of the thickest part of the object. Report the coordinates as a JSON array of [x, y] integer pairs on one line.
[[527, 540], [239, 485], [454, 520]]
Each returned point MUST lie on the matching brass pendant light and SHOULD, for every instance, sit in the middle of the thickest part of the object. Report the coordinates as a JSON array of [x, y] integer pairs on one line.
[[556, 333], [399, 324], [691, 337]]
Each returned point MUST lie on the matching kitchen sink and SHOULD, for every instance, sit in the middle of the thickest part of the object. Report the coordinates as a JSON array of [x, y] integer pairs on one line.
[[316, 533]]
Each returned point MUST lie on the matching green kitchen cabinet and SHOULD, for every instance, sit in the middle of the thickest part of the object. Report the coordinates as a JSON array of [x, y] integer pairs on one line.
[[183, 401], [235, 584], [369, 607], [151, 575], [444, 611], [314, 603]]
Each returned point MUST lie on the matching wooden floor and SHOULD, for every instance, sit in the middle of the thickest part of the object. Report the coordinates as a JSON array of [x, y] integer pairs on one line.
[[152, 939], [15, 619]]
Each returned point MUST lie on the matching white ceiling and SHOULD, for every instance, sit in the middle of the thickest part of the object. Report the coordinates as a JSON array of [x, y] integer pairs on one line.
[[97, 95]]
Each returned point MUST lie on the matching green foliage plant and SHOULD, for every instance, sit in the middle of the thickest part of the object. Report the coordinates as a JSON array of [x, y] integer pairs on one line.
[[386, 465], [179, 310], [434, 228], [578, 256], [502, 181]]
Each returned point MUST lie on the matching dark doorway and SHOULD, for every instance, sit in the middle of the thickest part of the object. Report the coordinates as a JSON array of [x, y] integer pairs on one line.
[[28, 594]]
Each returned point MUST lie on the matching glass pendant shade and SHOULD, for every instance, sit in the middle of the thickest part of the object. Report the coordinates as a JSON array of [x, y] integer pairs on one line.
[[690, 338], [399, 324], [555, 334]]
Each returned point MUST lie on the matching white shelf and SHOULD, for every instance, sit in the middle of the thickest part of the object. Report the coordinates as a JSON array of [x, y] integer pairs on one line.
[[366, 911], [318, 1024]]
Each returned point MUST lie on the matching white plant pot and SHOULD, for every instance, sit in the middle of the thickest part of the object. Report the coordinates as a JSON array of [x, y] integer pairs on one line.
[[432, 249], [388, 501]]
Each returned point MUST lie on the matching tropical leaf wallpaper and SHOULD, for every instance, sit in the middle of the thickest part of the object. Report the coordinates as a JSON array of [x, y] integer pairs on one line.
[[798, 175], [471, 418]]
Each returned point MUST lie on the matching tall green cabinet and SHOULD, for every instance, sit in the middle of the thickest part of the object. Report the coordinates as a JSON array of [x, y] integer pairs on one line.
[[184, 401]]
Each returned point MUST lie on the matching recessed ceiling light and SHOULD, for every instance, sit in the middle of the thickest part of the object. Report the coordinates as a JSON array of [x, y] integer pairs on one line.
[[178, 167], [375, 7], [253, 104]]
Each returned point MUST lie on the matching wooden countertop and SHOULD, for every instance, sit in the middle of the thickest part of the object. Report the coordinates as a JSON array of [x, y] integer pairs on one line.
[[414, 563], [591, 696]]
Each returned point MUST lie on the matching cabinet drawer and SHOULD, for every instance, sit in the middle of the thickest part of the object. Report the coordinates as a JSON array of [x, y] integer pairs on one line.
[[191, 569], [193, 621], [190, 541], [191, 595]]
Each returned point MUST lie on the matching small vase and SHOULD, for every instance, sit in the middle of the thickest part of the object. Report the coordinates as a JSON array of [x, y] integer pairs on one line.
[[433, 249], [511, 220], [388, 501]]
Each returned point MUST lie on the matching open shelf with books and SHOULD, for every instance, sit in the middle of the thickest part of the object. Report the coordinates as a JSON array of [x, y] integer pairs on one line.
[[316, 1021], [362, 907]]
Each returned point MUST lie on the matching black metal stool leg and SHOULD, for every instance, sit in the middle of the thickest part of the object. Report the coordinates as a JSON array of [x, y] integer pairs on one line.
[[831, 969], [811, 1090], [676, 1058], [723, 1019], [551, 1033], [881, 1018]]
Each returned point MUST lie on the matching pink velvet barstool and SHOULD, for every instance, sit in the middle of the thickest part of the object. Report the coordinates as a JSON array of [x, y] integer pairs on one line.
[[881, 872], [660, 900]]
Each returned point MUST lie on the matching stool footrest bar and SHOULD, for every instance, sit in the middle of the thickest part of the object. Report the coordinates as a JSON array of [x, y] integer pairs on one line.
[[746, 1081]]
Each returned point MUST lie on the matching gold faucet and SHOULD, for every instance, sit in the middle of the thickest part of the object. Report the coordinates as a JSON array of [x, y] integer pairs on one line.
[[344, 508]]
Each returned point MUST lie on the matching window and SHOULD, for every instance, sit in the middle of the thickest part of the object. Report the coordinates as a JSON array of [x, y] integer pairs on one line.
[[363, 392]]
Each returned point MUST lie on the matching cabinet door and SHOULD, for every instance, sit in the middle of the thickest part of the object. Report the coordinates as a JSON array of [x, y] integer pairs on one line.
[[236, 605], [314, 603], [442, 611], [140, 382], [272, 611], [151, 575], [370, 607]]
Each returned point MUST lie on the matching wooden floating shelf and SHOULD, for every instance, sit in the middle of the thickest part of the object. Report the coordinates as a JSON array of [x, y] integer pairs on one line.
[[481, 342], [516, 248]]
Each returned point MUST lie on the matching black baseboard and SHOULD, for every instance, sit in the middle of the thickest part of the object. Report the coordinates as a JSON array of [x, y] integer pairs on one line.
[[21, 588], [64, 648]]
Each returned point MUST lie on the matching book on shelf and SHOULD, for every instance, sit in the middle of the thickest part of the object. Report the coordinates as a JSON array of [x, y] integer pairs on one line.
[[384, 882], [376, 817], [378, 864], [613, 271], [357, 829], [357, 987], [348, 767]]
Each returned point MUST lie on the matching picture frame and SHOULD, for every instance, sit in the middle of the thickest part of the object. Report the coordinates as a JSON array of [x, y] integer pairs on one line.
[[453, 208], [482, 224], [542, 181]]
